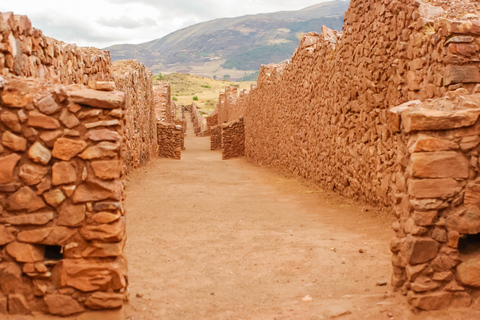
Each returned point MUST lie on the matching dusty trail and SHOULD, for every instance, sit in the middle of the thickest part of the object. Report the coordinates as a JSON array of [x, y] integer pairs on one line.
[[213, 239]]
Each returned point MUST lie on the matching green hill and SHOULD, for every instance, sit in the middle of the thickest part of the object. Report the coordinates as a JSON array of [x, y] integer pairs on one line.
[[233, 46]]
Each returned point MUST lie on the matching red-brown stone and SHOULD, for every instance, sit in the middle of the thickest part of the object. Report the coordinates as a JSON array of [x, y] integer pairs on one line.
[[24, 199], [66, 149], [7, 167], [39, 120]]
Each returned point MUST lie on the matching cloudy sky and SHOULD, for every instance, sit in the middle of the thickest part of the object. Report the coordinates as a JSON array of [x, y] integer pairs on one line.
[[101, 23]]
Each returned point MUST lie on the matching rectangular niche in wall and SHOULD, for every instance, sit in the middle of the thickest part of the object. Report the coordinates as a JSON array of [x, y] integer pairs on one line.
[[468, 271]]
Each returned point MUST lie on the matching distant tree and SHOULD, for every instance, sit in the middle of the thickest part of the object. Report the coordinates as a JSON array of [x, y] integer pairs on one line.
[[226, 76], [214, 77]]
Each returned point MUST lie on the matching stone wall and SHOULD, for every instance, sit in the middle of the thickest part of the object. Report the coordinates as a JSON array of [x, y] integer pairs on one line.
[[62, 222], [323, 115], [212, 120], [165, 108], [171, 140], [233, 139], [198, 121], [141, 124], [25, 51], [215, 137], [438, 201]]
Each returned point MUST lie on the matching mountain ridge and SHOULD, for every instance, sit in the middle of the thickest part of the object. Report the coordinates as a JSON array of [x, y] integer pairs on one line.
[[232, 47]]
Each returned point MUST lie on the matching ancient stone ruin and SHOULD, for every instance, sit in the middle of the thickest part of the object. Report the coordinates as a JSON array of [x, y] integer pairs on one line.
[[330, 116], [71, 126], [386, 112]]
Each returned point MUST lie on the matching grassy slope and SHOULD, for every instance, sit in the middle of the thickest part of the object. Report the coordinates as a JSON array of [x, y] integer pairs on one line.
[[184, 87]]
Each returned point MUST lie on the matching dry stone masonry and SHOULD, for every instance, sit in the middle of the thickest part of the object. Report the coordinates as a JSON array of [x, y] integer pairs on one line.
[[135, 80], [436, 253], [170, 129], [233, 139], [64, 151], [198, 121], [62, 222], [25, 51], [171, 140], [324, 116], [215, 137]]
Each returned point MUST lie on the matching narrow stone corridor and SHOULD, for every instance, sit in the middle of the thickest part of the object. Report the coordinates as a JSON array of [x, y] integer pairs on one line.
[[213, 239]]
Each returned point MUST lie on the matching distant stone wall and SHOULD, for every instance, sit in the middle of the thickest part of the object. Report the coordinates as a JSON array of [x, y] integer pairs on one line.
[[165, 108], [198, 121], [170, 140], [212, 120], [25, 51], [62, 221], [141, 123], [233, 139], [438, 196], [215, 137]]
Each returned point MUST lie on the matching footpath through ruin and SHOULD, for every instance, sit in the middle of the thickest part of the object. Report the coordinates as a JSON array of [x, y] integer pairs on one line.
[[213, 239]]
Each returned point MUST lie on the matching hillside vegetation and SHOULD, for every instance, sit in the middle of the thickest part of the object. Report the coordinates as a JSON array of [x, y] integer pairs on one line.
[[185, 87], [233, 46]]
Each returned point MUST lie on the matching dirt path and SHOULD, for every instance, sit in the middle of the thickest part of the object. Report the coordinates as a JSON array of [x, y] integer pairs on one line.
[[213, 239]]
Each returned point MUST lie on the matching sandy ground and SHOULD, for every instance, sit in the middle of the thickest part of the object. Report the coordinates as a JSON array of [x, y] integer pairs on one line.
[[213, 239]]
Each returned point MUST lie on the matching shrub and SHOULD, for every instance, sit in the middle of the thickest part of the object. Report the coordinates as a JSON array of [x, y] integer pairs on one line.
[[195, 98]]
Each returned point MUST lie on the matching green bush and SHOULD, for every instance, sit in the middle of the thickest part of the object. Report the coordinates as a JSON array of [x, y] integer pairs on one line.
[[195, 98], [206, 86], [174, 99]]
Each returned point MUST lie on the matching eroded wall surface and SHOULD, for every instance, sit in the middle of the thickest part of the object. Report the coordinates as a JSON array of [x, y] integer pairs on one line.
[[141, 124]]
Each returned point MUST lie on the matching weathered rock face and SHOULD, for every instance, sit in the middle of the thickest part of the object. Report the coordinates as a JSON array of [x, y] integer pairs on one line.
[[27, 52], [62, 224], [141, 125], [438, 201]]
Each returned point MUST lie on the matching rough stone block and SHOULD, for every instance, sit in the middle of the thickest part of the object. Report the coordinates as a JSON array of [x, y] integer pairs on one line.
[[461, 74], [87, 276], [420, 250], [7, 166], [442, 164], [468, 273], [62, 305], [421, 119], [99, 99], [433, 188]]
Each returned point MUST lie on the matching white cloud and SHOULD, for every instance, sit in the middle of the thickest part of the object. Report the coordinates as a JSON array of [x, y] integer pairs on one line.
[[101, 23]]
